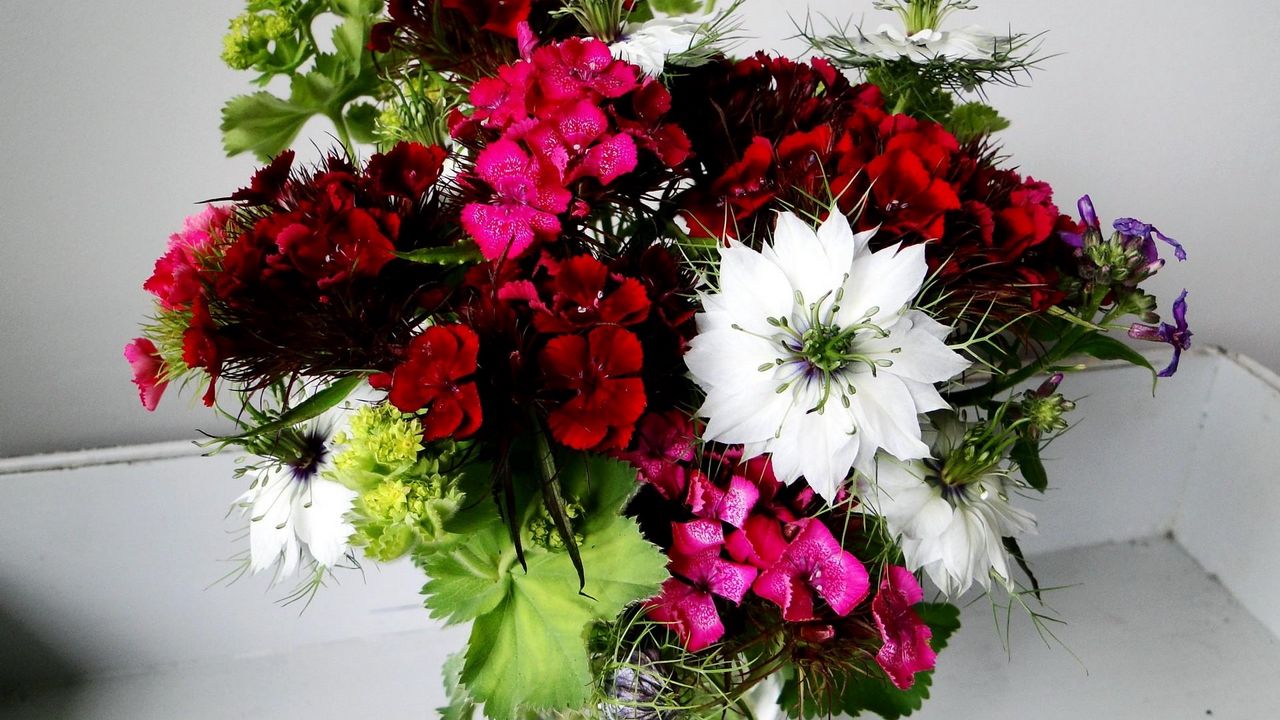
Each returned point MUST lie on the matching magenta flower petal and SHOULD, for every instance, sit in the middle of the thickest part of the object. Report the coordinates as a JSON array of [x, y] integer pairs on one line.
[[664, 443], [708, 500], [814, 562], [148, 368], [759, 542], [906, 649], [526, 201], [690, 612], [607, 160], [710, 572], [694, 537]]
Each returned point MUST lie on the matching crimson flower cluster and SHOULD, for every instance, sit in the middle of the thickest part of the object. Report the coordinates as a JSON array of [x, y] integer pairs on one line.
[[294, 278], [558, 129], [750, 536], [990, 232]]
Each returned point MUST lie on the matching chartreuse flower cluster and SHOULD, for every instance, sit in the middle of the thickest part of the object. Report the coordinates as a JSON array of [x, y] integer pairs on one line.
[[683, 378], [406, 492]]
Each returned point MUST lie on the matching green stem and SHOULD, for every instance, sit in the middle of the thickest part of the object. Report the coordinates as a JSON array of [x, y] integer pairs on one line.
[[344, 133]]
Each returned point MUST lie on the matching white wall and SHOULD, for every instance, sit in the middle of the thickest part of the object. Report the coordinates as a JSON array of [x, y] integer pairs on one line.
[[1163, 109]]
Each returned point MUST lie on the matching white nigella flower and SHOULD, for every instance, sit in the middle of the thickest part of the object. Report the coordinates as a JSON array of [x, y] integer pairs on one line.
[[648, 44], [297, 516], [891, 43], [951, 527], [810, 351]]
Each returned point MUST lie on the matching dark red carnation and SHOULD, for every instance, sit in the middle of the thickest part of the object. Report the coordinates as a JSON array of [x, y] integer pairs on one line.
[[202, 348], [434, 378], [499, 16], [408, 170], [599, 374], [581, 293]]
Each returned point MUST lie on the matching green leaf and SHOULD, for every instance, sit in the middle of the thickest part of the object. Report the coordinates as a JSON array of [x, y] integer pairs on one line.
[[1026, 453], [261, 123], [460, 706], [362, 120], [305, 410], [971, 121], [528, 650], [1105, 347], [469, 580], [459, 254]]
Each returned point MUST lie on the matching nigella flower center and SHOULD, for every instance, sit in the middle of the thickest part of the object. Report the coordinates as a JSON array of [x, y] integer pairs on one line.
[[303, 454], [823, 351]]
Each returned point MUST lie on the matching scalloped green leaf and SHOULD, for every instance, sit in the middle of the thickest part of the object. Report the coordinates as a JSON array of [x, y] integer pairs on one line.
[[527, 622]]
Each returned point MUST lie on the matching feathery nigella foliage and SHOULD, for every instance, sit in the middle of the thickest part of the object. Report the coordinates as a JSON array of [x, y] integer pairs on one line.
[[681, 376]]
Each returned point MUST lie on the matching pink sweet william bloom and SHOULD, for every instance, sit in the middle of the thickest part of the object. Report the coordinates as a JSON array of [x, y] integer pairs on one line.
[[906, 649], [690, 612], [813, 562], [663, 447], [527, 197], [688, 605], [148, 369], [176, 279], [578, 66], [576, 141], [731, 505]]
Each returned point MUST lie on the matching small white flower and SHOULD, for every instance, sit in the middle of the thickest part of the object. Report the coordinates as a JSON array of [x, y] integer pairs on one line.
[[891, 43], [298, 517], [953, 532], [810, 352], [648, 44]]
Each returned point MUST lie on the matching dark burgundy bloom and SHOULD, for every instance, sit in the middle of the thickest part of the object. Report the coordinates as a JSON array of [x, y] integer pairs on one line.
[[581, 293], [1178, 335], [435, 377], [499, 16], [148, 371], [409, 170], [663, 448], [342, 242], [202, 348], [600, 375], [267, 187], [906, 649], [909, 199]]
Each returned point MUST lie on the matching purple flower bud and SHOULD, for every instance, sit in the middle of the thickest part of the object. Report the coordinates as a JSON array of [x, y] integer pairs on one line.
[[1088, 215]]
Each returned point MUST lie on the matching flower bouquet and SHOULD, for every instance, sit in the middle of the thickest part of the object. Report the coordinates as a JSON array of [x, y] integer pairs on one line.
[[678, 375]]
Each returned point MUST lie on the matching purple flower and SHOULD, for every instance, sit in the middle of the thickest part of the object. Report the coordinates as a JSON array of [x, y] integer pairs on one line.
[[1176, 335], [1088, 215], [1131, 229], [1137, 229]]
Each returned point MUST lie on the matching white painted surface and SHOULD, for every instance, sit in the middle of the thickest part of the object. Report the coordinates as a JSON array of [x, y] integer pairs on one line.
[[1162, 108], [1151, 637], [105, 569], [1230, 518]]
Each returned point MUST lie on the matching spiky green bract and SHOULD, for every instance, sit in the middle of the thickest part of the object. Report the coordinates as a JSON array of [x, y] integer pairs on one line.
[[275, 38], [862, 694], [528, 649]]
